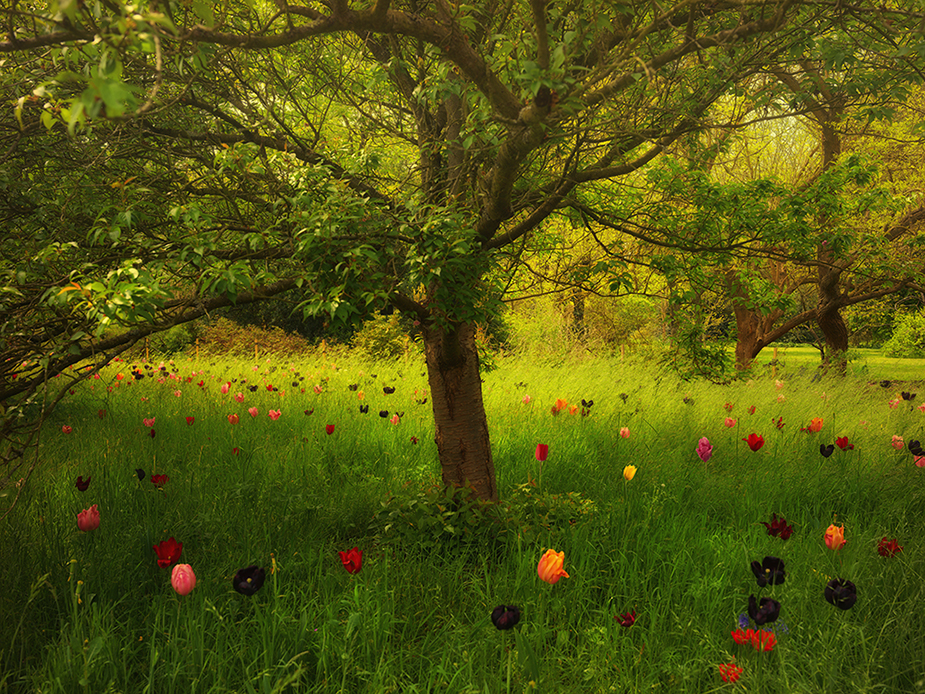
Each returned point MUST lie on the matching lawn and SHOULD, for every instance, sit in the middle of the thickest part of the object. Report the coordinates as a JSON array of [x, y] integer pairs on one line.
[[282, 466]]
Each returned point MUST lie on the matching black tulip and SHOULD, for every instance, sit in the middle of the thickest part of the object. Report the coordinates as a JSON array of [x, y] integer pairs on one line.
[[886, 384], [383, 413], [505, 617], [140, 473], [388, 390], [769, 572], [623, 396], [364, 409], [353, 386], [826, 451], [763, 611], [248, 581], [915, 448], [907, 396], [82, 484], [841, 593]]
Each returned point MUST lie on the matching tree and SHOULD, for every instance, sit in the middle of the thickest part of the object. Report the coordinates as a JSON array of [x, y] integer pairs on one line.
[[387, 152]]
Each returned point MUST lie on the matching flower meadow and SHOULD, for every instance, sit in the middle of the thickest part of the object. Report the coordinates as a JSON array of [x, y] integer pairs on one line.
[[244, 526]]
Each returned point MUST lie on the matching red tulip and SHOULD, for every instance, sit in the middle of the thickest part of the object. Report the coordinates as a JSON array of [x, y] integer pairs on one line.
[[190, 420], [888, 549], [168, 552], [329, 428], [233, 419], [66, 429], [89, 519], [352, 560], [542, 450], [754, 441], [159, 480]]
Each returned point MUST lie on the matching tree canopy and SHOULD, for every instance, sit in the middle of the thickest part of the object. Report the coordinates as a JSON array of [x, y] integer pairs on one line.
[[164, 158]]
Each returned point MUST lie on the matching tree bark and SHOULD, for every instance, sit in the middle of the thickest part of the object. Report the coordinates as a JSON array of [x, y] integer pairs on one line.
[[459, 411]]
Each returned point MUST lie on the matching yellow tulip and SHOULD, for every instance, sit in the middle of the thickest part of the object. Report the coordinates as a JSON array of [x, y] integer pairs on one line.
[[835, 537], [550, 566], [629, 472]]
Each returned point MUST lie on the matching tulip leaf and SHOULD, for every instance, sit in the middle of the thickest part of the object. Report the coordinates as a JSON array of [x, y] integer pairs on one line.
[[526, 656], [352, 621]]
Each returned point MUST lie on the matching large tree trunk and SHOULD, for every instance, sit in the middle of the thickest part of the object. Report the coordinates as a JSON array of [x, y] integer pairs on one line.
[[459, 412]]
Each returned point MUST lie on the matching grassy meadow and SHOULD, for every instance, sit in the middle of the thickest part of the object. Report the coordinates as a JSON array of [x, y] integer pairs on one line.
[[93, 612]]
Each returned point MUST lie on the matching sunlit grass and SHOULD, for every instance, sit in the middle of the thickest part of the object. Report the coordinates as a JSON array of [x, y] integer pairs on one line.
[[675, 544]]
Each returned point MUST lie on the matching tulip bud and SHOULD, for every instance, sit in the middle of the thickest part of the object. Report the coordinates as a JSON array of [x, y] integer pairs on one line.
[[183, 579]]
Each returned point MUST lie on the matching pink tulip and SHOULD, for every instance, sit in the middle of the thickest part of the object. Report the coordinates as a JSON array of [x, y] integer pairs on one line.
[[919, 460], [704, 449], [624, 433], [894, 403], [526, 400], [274, 414], [149, 422], [183, 579], [233, 419], [730, 422], [395, 419], [225, 387], [89, 519], [921, 408], [239, 397], [318, 390], [542, 450], [897, 442], [253, 411]]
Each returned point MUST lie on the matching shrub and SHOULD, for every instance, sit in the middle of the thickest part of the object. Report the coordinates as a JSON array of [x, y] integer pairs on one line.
[[908, 338], [226, 337], [382, 338]]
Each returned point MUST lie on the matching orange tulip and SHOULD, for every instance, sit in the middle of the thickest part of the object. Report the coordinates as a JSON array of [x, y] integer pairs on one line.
[[815, 425], [835, 537], [550, 566]]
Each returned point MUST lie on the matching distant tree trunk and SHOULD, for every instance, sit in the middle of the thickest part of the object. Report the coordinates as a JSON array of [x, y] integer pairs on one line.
[[459, 411], [578, 314]]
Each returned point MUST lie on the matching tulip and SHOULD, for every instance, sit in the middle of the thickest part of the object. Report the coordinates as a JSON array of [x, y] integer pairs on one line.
[[754, 441], [629, 472], [225, 388], [897, 442], [239, 397], [329, 428], [66, 429], [352, 560], [542, 450], [704, 449], [82, 484], [395, 419], [826, 450], [764, 611], [624, 433], [915, 447], [140, 473], [730, 422], [550, 567], [249, 580], [627, 619], [769, 572], [919, 460], [190, 420], [835, 537], [274, 414], [778, 527], [842, 443], [888, 549], [815, 425], [728, 407], [526, 400], [505, 617], [168, 552], [183, 579], [730, 672], [763, 640], [841, 593], [89, 519], [233, 419]]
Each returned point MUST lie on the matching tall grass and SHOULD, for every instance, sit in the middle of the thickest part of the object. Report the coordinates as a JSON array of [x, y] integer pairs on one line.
[[93, 612]]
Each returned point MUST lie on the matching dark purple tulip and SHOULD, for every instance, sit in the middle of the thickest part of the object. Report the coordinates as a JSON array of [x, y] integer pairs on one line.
[[505, 617], [82, 484], [249, 580], [841, 593], [763, 611], [769, 572], [826, 451]]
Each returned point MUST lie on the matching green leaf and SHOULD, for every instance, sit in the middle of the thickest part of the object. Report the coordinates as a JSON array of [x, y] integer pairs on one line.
[[203, 10]]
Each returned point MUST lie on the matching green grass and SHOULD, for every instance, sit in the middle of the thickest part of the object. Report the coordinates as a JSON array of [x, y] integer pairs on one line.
[[92, 612], [863, 363]]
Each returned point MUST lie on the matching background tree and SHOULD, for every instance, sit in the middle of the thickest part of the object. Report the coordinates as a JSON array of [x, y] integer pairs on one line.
[[367, 153]]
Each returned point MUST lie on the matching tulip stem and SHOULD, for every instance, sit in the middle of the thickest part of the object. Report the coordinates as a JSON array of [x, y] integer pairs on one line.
[[509, 654]]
